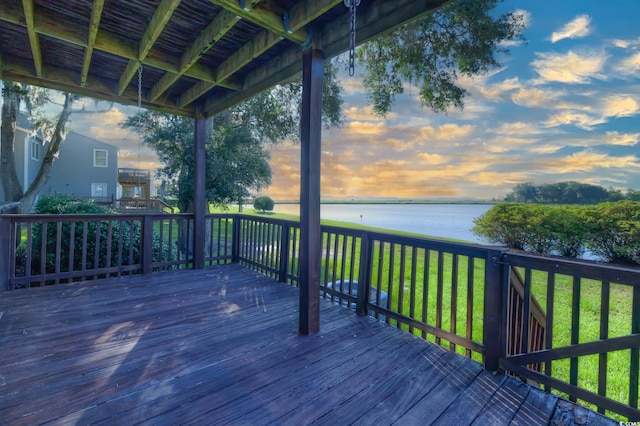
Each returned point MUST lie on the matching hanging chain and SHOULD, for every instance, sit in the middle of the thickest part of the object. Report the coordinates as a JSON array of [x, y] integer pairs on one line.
[[352, 4], [139, 121]]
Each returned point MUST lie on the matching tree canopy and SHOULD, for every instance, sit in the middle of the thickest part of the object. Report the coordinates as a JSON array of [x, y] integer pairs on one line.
[[565, 193], [463, 37]]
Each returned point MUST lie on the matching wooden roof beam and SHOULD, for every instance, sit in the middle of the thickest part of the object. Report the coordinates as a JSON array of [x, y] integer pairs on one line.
[[158, 22], [63, 80], [263, 18], [110, 43], [256, 47], [29, 14], [94, 24], [218, 27], [300, 15], [375, 18]]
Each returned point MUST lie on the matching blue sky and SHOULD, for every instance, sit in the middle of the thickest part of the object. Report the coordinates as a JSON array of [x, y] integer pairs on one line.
[[563, 106]]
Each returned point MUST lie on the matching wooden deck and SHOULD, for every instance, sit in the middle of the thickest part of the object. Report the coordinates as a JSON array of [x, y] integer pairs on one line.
[[220, 346]]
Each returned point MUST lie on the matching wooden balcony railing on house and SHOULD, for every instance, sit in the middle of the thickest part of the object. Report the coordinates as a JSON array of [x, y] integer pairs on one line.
[[468, 298], [143, 205]]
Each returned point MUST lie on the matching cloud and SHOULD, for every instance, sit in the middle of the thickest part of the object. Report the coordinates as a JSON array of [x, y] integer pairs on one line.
[[583, 121], [620, 106], [366, 128], [518, 128], [578, 27], [536, 97], [494, 92], [447, 132], [571, 68], [586, 161], [432, 159], [629, 66], [365, 114], [626, 139]]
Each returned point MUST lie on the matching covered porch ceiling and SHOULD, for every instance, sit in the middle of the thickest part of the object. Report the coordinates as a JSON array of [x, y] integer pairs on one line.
[[197, 55]]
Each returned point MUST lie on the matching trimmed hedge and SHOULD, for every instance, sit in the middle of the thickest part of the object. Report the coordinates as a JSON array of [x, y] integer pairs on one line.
[[610, 230]]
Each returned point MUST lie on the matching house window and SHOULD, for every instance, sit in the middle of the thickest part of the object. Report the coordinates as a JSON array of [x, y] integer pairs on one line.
[[35, 150], [98, 189], [100, 158]]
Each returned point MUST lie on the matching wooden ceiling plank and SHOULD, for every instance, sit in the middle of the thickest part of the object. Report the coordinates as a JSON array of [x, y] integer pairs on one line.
[[94, 24], [1, 66], [29, 14], [265, 19], [218, 27]]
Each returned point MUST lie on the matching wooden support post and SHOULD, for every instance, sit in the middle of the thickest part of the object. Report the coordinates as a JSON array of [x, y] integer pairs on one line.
[[199, 203], [235, 239], [364, 274], [285, 241], [5, 252], [310, 153], [493, 329], [147, 244]]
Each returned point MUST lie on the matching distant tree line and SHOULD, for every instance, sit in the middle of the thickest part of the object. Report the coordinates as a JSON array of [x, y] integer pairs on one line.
[[609, 230], [567, 193]]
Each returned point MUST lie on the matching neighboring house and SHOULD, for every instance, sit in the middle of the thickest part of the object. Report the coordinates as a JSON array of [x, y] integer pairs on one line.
[[85, 167]]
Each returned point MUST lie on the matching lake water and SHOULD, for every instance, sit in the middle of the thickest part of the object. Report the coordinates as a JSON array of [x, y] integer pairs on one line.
[[438, 220]]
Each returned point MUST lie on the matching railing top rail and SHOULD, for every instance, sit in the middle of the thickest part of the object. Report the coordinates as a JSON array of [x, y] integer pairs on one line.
[[583, 268], [26, 218]]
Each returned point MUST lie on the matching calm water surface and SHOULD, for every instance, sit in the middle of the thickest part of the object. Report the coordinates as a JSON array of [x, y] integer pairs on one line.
[[438, 220]]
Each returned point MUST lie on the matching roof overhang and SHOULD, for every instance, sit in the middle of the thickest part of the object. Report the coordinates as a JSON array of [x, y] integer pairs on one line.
[[197, 55]]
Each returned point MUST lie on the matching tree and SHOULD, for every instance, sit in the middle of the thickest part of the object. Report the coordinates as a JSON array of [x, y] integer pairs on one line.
[[462, 37], [263, 203], [34, 98]]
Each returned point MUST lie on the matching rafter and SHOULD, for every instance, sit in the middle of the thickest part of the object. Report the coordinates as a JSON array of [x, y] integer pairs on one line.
[[110, 43], [260, 44], [265, 19], [94, 24], [300, 15], [333, 41], [63, 80], [152, 32], [218, 27], [29, 14]]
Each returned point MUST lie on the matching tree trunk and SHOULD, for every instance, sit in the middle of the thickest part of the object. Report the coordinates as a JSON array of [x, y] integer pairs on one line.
[[41, 178], [8, 174]]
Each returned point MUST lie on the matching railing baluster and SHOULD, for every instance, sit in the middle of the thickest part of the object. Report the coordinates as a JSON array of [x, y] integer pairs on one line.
[[526, 312], [413, 281], [575, 332], [439, 291], [470, 283], [7, 253], [634, 364], [454, 298], [364, 275], [548, 338], [604, 334], [403, 260], [425, 289]]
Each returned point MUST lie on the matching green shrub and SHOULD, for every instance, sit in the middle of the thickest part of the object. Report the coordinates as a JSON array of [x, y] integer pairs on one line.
[[107, 241], [263, 203], [615, 231], [610, 230]]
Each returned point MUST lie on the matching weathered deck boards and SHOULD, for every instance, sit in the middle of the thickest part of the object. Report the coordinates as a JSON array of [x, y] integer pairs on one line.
[[220, 346]]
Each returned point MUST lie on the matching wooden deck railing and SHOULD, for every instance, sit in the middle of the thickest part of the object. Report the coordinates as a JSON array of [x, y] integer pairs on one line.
[[468, 298]]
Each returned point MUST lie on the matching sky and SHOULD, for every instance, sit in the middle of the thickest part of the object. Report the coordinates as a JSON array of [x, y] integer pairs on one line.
[[563, 106]]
